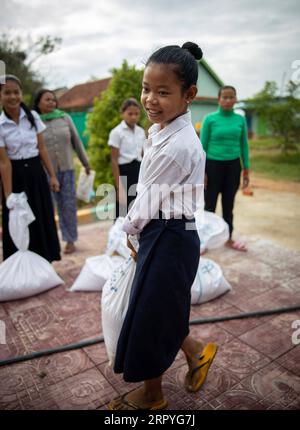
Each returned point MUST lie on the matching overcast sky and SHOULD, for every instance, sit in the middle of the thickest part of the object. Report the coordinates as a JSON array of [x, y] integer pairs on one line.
[[246, 42]]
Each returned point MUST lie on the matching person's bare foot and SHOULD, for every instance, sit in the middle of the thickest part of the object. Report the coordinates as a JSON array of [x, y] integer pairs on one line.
[[236, 245], [69, 248]]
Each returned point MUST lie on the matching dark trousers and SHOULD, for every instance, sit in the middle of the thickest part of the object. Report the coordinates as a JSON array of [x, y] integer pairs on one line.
[[129, 173], [223, 177]]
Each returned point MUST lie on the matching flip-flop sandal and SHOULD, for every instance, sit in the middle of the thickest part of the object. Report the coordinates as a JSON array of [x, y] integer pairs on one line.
[[248, 192], [121, 403], [205, 360]]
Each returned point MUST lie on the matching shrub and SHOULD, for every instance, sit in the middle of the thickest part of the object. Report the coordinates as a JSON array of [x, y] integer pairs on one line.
[[126, 82]]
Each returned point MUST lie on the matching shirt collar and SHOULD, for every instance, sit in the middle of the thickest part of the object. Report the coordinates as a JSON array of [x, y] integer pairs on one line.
[[158, 136], [125, 126], [4, 119], [225, 112]]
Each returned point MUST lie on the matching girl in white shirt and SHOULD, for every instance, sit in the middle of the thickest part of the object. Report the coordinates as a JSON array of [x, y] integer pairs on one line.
[[126, 141], [22, 150], [170, 190]]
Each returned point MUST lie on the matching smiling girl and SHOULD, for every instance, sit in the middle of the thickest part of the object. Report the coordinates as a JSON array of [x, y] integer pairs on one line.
[[23, 156], [157, 321]]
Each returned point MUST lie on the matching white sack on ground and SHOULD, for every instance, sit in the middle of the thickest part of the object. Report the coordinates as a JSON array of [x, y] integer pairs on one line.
[[97, 270], [114, 304], [94, 274], [24, 273], [212, 229], [209, 282]]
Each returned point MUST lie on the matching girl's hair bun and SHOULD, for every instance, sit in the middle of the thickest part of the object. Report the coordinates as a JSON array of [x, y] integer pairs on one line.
[[194, 49]]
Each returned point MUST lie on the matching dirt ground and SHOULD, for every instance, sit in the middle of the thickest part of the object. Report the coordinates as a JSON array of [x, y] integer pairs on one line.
[[273, 212]]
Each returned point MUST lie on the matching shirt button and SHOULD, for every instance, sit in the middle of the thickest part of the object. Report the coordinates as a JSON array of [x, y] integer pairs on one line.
[[25, 165]]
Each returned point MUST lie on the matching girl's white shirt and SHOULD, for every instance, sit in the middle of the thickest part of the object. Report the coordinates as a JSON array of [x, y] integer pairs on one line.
[[171, 178], [129, 142], [20, 140]]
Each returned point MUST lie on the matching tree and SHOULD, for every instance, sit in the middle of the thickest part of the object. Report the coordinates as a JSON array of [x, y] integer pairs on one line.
[[44, 45], [125, 82], [282, 114], [19, 60]]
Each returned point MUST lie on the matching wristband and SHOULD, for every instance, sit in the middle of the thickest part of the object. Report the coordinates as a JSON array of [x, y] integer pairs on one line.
[[245, 173]]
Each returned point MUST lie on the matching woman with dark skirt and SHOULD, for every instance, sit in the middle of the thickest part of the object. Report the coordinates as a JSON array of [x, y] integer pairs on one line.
[[23, 157], [126, 141], [169, 192]]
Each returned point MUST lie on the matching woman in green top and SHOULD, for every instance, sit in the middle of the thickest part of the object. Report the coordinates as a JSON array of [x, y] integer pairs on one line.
[[224, 139]]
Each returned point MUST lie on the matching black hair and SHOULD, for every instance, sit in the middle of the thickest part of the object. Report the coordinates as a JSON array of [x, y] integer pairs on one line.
[[182, 59], [129, 102], [226, 87], [38, 96], [26, 109]]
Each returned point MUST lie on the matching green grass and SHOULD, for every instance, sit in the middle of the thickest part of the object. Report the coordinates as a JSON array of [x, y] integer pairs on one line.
[[264, 143], [274, 165], [268, 160]]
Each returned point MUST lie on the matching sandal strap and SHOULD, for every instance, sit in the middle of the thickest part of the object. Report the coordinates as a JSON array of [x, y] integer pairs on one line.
[[199, 367], [128, 403], [200, 357], [135, 406]]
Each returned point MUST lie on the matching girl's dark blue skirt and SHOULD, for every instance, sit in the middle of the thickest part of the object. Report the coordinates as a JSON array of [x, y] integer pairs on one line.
[[157, 320]]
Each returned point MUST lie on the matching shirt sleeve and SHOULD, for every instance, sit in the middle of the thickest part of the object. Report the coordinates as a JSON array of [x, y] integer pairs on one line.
[[244, 145], [114, 139], [205, 133], [149, 199], [77, 143], [40, 126]]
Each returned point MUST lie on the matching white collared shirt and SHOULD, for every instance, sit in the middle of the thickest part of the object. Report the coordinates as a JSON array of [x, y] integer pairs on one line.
[[129, 141], [174, 158], [20, 140]]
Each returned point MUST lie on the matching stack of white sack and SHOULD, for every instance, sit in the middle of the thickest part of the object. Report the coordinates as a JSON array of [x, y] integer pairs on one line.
[[209, 282], [97, 270], [212, 229], [24, 273]]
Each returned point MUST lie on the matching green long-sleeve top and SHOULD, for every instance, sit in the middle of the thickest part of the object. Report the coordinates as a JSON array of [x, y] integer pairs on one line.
[[224, 136]]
